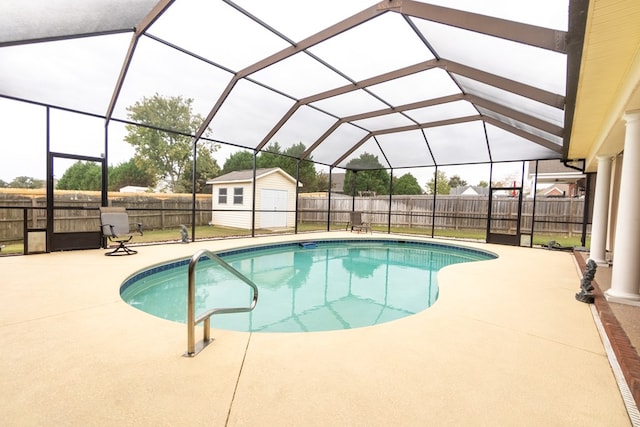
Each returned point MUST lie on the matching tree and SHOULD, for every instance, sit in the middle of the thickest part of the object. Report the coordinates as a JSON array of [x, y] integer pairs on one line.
[[456, 181], [322, 182], [206, 168], [406, 184], [81, 176], [270, 157], [88, 176], [130, 173], [442, 184], [287, 161], [368, 175], [26, 182], [241, 160], [166, 153], [483, 184], [274, 157], [3, 184]]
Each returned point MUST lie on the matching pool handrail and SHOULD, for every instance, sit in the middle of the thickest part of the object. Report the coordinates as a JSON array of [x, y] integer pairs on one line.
[[192, 321]]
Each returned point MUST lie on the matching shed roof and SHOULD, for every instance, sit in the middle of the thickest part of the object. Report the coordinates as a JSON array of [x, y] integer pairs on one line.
[[247, 176]]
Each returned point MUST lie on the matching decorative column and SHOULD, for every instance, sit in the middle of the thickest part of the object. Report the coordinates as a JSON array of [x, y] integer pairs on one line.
[[625, 279], [599, 224]]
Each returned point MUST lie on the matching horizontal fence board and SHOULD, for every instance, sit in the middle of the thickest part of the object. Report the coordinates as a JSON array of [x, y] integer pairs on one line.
[[78, 212], [552, 215]]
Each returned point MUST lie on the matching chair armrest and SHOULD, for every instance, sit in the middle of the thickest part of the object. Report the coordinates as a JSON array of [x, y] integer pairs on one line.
[[110, 233]]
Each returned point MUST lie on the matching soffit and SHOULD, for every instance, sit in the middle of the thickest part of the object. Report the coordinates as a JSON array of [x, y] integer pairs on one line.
[[609, 77]]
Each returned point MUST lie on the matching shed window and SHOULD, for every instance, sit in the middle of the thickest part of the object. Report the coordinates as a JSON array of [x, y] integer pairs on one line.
[[222, 196], [237, 195]]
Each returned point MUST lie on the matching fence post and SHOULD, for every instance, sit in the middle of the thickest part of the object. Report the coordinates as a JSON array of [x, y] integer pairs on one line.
[[162, 214], [34, 214], [570, 226], [410, 209]]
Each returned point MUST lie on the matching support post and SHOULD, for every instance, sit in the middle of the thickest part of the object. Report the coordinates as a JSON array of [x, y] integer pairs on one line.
[[601, 212], [625, 278]]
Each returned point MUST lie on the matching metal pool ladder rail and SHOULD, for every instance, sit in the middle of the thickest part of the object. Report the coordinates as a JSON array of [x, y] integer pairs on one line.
[[192, 321]]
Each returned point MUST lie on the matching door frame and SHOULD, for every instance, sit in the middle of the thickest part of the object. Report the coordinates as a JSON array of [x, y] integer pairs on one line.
[[74, 239], [504, 238]]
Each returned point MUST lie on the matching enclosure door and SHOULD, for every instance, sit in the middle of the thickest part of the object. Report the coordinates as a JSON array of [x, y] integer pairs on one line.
[[73, 221], [505, 210], [273, 208]]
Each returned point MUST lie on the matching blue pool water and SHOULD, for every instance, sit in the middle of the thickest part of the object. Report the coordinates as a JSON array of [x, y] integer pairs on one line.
[[327, 285]]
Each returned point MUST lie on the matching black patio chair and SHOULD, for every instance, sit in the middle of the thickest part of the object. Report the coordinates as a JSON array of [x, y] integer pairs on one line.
[[356, 223], [114, 224]]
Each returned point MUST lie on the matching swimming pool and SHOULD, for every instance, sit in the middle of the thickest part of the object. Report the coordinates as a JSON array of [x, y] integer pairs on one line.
[[304, 286]]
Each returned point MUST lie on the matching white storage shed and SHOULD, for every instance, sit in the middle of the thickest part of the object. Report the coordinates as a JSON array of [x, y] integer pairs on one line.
[[275, 199]]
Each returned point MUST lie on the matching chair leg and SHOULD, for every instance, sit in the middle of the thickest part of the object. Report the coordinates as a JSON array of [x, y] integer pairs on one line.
[[122, 249]]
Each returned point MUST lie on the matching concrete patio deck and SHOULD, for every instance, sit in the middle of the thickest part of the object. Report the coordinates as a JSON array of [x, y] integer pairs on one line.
[[506, 344]]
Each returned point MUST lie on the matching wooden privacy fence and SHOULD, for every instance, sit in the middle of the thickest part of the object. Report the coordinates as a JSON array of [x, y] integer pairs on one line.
[[80, 212], [552, 215], [155, 211]]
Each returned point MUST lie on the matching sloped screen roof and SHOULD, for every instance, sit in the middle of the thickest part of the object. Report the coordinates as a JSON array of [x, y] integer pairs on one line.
[[416, 84]]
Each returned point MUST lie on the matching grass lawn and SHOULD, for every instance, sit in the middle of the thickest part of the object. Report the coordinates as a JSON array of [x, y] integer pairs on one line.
[[210, 232]]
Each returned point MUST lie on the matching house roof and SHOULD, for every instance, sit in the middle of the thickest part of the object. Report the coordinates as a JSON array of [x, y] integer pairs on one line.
[[337, 180], [553, 171], [247, 176], [478, 190]]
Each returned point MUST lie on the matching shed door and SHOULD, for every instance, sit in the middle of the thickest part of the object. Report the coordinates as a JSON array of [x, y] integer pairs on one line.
[[273, 207]]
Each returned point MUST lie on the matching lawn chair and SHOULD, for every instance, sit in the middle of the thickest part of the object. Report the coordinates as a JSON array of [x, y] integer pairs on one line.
[[356, 223], [114, 224]]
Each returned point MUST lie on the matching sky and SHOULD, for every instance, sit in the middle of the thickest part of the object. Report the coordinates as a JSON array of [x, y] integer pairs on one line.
[[23, 135], [158, 68]]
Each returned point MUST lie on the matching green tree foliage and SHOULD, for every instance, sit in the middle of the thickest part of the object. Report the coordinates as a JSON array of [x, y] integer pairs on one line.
[[206, 168], [81, 176], [322, 182], [270, 158], [310, 178], [130, 173], [483, 184], [24, 182], [88, 176], [442, 184], [166, 154], [3, 184], [456, 181], [238, 161], [274, 157], [406, 184], [369, 175]]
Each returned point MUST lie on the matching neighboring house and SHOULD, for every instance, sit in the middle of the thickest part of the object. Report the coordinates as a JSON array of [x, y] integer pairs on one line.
[[553, 173], [469, 190], [133, 189], [556, 190], [337, 181], [233, 199]]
